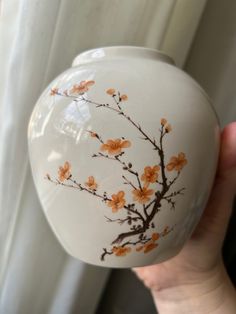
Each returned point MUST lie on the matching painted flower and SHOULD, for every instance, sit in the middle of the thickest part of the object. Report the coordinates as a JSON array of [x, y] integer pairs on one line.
[[93, 134], [168, 128], [163, 121], [155, 236], [81, 88], [149, 246], [123, 97], [64, 172], [121, 251], [139, 248], [91, 183], [54, 91], [114, 147], [142, 195], [111, 91], [117, 202], [150, 174], [177, 163]]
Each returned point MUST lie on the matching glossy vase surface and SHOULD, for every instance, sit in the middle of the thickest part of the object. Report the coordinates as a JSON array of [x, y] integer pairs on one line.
[[123, 149]]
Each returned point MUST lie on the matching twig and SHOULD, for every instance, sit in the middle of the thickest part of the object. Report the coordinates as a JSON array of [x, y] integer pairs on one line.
[[121, 221], [129, 182], [175, 193]]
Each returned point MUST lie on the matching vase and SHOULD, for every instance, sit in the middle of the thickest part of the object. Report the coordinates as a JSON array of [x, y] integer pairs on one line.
[[123, 149]]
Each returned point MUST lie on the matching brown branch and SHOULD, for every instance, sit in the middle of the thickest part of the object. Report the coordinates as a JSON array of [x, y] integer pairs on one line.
[[162, 161], [179, 192], [78, 186], [171, 182], [148, 205], [141, 240], [146, 224], [124, 165], [97, 136], [121, 221], [121, 112], [105, 252], [94, 193], [128, 182], [170, 201], [134, 211], [68, 96], [117, 102]]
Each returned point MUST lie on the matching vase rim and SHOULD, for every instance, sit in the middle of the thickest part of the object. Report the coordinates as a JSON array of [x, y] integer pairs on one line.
[[100, 53]]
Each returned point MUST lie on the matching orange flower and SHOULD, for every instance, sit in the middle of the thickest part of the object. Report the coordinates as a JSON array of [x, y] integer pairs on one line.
[[168, 128], [163, 121], [142, 196], [64, 171], [114, 147], [121, 251], [150, 174], [117, 201], [149, 246], [93, 134], [123, 97], [81, 88], [139, 248], [155, 236], [111, 91], [53, 91], [177, 163], [91, 183]]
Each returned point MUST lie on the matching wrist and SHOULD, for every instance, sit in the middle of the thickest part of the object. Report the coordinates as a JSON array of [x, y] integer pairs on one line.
[[213, 292]]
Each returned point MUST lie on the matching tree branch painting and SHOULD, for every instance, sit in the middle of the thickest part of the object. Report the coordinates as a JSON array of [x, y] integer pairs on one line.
[[147, 188]]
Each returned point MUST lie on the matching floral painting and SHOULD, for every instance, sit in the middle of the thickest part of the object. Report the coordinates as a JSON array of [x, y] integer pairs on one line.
[[147, 188]]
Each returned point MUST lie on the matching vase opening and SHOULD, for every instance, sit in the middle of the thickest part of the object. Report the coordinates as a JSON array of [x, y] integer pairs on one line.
[[119, 52]]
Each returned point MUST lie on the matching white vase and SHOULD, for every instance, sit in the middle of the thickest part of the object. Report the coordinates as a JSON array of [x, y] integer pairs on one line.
[[123, 149]]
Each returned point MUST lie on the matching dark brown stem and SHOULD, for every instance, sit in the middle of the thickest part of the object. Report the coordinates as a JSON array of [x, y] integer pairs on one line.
[[148, 220], [79, 186], [128, 182], [171, 182], [105, 252], [162, 161], [121, 221], [121, 112], [179, 192], [124, 165], [117, 102], [135, 211]]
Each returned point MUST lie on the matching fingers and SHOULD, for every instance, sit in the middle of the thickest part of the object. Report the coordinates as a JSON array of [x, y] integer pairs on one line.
[[228, 149], [213, 224]]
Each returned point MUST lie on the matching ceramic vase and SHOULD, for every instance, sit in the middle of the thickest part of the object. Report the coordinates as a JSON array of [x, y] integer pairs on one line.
[[123, 148]]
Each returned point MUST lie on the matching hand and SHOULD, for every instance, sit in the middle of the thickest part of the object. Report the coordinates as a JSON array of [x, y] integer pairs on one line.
[[195, 281]]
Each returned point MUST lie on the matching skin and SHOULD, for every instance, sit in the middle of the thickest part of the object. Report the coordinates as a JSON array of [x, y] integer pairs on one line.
[[195, 281]]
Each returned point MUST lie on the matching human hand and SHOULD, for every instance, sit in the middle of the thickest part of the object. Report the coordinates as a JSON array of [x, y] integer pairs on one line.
[[195, 281]]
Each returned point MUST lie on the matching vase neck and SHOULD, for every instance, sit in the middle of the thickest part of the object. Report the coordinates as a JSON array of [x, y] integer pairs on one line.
[[119, 52]]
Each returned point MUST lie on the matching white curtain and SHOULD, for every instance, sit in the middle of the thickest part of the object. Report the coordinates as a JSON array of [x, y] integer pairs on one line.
[[38, 40]]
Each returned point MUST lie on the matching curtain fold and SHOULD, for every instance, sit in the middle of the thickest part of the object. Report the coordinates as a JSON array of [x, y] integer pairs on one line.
[[38, 40]]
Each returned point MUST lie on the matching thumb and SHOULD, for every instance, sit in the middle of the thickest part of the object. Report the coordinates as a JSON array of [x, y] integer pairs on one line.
[[214, 222]]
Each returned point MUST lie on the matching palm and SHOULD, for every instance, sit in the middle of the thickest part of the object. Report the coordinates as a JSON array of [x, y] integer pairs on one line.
[[202, 252]]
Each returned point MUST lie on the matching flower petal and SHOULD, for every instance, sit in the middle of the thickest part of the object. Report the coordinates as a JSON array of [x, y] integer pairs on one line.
[[125, 144]]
